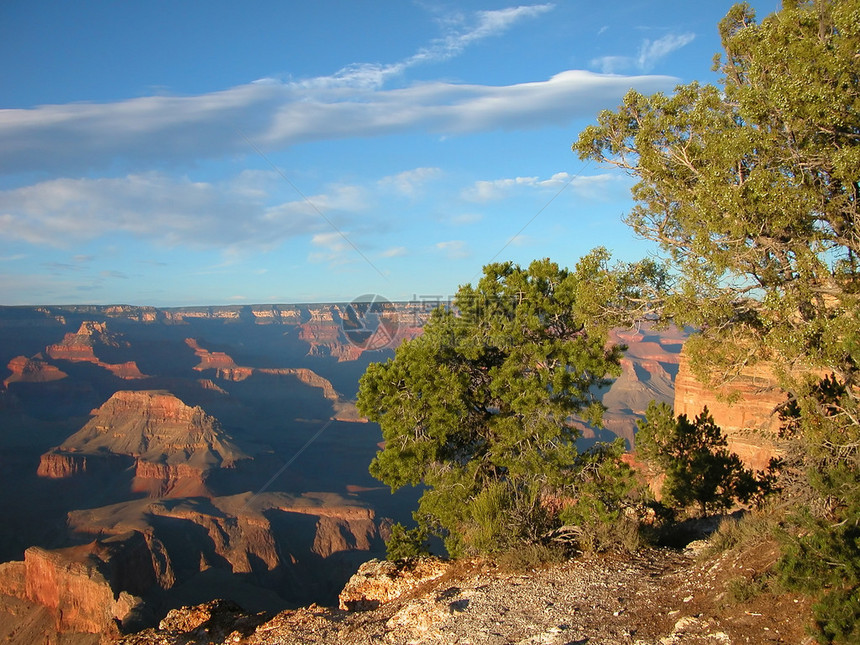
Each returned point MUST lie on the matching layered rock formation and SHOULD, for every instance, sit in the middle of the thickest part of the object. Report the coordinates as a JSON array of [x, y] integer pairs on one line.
[[258, 550], [324, 336], [92, 588], [80, 347], [647, 369], [292, 545], [56, 464], [380, 581], [743, 408], [154, 463], [209, 360], [227, 369], [173, 445], [33, 370]]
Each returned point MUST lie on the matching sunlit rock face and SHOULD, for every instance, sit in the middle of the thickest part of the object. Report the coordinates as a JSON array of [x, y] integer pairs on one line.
[[173, 445], [33, 370], [235, 453], [82, 345], [94, 587], [743, 408]]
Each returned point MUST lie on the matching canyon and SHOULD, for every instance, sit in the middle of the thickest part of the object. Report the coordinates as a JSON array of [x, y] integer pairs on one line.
[[167, 457]]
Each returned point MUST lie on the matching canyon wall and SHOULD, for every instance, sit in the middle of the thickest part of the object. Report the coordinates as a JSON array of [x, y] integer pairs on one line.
[[743, 408], [92, 588], [173, 446], [33, 370]]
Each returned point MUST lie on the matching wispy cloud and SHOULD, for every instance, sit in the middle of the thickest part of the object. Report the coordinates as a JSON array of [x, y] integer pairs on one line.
[[113, 274], [153, 131], [460, 32], [454, 249], [464, 219], [169, 211], [612, 64], [333, 248], [395, 252], [410, 182], [492, 190], [650, 53]]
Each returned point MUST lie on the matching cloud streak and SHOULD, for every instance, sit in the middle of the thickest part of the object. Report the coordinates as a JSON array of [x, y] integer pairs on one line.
[[164, 210], [154, 131], [169, 131], [493, 190], [650, 53], [454, 249], [458, 37], [410, 183]]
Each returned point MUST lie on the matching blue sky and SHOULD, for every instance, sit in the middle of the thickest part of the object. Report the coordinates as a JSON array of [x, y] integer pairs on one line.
[[189, 153]]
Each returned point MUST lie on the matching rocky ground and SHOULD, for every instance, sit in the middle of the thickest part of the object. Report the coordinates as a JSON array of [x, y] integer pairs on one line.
[[658, 596]]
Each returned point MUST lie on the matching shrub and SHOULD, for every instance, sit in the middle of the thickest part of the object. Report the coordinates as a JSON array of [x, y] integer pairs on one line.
[[699, 468]]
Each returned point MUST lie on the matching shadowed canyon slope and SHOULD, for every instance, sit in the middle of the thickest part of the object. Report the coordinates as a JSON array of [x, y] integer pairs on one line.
[[163, 457], [214, 445]]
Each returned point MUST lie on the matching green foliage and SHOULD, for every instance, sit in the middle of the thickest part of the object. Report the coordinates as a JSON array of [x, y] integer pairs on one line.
[[599, 522], [823, 559], [699, 469], [406, 543], [528, 557], [742, 589], [751, 191], [744, 532], [478, 408], [822, 553]]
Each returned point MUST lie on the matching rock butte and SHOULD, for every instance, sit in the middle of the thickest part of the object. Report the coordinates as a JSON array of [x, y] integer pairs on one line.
[[33, 370], [173, 445], [80, 347]]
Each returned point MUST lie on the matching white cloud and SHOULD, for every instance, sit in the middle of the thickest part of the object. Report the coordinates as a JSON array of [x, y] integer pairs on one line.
[[612, 64], [410, 182], [491, 190], [459, 35], [395, 252], [650, 52], [164, 210], [334, 246], [146, 132], [464, 219], [454, 249]]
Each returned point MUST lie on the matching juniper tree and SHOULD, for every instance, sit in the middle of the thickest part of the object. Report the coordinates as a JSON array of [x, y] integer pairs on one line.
[[750, 190], [699, 468], [478, 409]]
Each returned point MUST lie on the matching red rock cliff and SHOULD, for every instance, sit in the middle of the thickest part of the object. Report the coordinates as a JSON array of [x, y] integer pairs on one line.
[[91, 588], [748, 422], [33, 370], [174, 445], [80, 347]]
